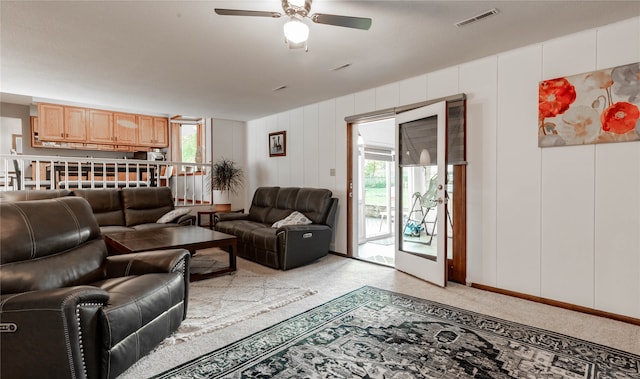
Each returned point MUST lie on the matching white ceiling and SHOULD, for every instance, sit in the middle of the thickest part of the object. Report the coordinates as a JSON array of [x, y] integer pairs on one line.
[[179, 57]]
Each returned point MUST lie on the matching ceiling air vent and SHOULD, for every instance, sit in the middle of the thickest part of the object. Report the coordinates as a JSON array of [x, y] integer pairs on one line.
[[477, 18]]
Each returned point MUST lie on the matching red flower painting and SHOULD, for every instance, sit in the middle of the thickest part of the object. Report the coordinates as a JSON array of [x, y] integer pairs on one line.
[[620, 118], [601, 106], [555, 96]]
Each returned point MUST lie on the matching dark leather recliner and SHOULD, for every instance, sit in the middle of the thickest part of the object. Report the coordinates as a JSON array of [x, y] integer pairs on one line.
[[67, 310], [287, 246]]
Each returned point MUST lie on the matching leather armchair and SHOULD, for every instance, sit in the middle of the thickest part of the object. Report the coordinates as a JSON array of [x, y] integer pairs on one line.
[[67, 310]]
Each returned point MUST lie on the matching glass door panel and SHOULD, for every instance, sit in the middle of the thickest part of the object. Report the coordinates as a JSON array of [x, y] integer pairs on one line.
[[423, 173]]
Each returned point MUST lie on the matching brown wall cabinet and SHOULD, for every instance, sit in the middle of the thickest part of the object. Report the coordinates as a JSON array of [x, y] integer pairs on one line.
[[58, 123], [96, 129], [153, 131]]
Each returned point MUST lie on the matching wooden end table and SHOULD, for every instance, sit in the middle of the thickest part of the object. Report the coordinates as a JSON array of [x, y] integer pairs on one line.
[[191, 238], [211, 213]]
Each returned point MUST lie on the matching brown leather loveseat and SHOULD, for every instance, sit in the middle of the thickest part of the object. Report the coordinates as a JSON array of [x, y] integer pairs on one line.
[[68, 310], [286, 246], [118, 210]]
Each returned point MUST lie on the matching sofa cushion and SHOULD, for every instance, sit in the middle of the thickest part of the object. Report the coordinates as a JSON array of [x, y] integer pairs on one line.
[[314, 203], [145, 205], [283, 206], [295, 218], [173, 215], [263, 200], [264, 239], [27, 238], [105, 203]]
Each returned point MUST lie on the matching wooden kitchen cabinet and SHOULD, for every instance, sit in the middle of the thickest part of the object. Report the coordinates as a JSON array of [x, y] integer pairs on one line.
[[100, 127], [75, 124], [153, 131], [70, 127], [60, 123], [161, 128], [125, 127], [51, 122]]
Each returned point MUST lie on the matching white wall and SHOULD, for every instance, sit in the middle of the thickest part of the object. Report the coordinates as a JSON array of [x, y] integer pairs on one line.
[[560, 223], [229, 140]]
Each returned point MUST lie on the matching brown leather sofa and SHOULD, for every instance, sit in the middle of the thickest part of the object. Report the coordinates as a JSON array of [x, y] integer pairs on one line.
[[117, 210], [67, 309], [287, 246]]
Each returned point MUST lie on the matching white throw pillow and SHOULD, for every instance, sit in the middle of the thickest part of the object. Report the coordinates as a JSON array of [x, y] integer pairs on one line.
[[295, 218], [172, 215]]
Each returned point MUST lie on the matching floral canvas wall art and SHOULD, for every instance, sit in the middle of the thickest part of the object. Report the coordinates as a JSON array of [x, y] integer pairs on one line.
[[596, 107]]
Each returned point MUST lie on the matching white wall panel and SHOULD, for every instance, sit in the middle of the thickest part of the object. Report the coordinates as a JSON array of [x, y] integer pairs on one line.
[[271, 164], [387, 96], [567, 264], [327, 144], [617, 204], [413, 90], [365, 101], [478, 82], [518, 169], [230, 144], [311, 150], [295, 141], [443, 83], [283, 163], [617, 221], [344, 108], [619, 44], [569, 55]]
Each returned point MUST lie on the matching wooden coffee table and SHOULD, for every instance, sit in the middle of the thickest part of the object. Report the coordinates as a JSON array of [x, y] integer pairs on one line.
[[191, 238]]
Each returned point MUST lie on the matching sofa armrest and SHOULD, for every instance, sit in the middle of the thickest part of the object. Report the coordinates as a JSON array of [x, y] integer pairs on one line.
[[231, 216], [302, 244], [173, 260], [186, 220], [52, 333]]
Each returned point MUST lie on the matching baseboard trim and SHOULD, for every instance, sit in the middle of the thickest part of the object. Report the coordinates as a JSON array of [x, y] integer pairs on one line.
[[560, 304]]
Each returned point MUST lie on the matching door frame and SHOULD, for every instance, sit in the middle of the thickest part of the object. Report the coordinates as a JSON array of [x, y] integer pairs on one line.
[[457, 266]]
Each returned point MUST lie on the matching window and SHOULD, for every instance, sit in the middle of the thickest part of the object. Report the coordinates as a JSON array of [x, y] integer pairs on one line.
[[187, 142]]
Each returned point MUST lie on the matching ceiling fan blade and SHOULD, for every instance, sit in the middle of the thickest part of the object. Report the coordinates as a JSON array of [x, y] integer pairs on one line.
[[240, 12], [346, 21]]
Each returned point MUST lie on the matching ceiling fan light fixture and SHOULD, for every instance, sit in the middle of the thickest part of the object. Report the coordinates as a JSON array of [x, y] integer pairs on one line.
[[296, 31]]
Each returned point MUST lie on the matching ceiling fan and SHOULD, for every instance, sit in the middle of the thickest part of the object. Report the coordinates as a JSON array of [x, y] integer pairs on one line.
[[295, 30]]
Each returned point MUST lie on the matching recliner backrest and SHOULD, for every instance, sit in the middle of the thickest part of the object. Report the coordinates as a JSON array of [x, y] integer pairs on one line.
[[314, 203], [106, 205], [49, 244], [263, 200], [284, 205], [22, 195], [145, 205]]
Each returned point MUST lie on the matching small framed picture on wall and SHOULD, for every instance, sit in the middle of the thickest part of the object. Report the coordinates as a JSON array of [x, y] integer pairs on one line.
[[278, 144]]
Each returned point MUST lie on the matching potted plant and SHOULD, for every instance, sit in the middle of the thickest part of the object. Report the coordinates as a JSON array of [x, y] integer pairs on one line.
[[226, 179]]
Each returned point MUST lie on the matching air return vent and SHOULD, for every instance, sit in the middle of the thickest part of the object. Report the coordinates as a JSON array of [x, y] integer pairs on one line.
[[477, 18]]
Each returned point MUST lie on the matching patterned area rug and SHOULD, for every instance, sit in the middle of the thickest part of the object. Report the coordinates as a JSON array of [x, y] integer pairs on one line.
[[373, 333], [225, 300]]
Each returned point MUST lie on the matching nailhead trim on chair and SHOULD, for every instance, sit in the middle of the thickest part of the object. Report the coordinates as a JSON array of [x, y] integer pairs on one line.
[[84, 366]]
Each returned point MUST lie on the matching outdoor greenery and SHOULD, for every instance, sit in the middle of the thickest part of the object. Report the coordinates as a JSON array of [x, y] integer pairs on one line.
[[189, 143]]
